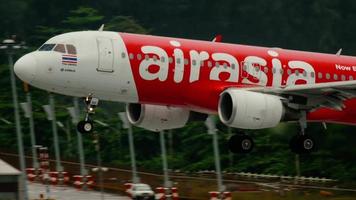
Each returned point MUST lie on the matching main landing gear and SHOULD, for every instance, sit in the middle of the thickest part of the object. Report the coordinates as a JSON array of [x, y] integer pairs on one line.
[[302, 143], [86, 125], [240, 143]]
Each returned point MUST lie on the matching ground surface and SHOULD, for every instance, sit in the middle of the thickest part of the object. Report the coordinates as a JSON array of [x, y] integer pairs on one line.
[[69, 193]]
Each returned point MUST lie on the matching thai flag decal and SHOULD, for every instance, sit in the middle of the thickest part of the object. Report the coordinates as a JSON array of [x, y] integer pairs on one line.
[[69, 59]]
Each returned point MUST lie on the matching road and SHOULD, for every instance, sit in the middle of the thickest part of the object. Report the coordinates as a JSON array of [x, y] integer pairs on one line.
[[69, 193]]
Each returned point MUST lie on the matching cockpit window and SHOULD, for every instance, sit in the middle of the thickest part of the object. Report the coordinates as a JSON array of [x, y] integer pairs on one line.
[[60, 48], [46, 47], [71, 49]]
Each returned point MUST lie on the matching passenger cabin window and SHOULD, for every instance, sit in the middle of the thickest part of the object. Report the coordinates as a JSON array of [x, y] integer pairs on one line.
[[210, 64], [289, 72], [131, 56], [297, 72], [60, 48], [336, 77], [154, 58], [46, 47], [320, 75], [343, 77], [266, 70], [71, 49], [139, 57]]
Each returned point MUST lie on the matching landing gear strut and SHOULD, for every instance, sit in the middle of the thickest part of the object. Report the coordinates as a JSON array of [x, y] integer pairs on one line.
[[240, 143], [86, 125], [302, 143]]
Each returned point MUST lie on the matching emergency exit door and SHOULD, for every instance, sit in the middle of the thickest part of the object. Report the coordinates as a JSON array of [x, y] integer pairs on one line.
[[105, 53]]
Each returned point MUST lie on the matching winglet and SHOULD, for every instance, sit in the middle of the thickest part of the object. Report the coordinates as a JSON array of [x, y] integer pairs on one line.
[[101, 28], [217, 38], [339, 52]]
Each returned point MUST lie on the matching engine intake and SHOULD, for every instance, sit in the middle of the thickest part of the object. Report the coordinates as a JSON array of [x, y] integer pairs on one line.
[[250, 110], [157, 118]]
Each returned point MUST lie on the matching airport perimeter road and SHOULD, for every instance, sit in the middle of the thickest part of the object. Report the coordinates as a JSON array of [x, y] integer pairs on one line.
[[69, 193]]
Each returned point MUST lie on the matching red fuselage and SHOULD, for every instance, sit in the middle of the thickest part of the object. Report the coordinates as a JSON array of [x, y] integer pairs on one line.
[[174, 76]]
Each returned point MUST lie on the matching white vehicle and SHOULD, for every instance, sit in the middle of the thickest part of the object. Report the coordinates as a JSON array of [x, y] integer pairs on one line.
[[141, 191]]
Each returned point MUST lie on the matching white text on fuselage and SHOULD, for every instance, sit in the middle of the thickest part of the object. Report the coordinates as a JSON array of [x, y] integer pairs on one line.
[[345, 68], [231, 67]]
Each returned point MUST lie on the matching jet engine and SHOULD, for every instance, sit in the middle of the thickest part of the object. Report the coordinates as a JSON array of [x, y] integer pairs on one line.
[[157, 118], [250, 110]]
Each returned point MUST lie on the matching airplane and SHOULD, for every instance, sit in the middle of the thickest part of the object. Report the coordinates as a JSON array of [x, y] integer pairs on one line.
[[167, 82]]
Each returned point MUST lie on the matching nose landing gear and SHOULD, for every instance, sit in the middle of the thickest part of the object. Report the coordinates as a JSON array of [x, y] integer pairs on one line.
[[86, 125]]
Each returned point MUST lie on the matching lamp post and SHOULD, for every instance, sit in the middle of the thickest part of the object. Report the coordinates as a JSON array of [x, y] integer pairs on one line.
[[128, 126], [10, 46], [51, 116], [74, 113], [167, 183], [99, 169], [27, 108], [210, 124]]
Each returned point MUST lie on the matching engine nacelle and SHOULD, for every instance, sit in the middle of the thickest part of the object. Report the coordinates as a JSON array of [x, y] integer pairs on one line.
[[250, 110], [157, 118]]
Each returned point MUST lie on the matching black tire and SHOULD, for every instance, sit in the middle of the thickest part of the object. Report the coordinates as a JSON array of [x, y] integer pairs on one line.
[[302, 144], [85, 126], [240, 143]]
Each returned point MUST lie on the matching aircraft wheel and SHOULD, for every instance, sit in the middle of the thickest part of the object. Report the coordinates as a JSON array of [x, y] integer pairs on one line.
[[240, 143], [302, 144], [85, 126]]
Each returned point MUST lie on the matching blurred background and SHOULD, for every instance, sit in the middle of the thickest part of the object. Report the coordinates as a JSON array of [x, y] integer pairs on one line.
[[319, 25]]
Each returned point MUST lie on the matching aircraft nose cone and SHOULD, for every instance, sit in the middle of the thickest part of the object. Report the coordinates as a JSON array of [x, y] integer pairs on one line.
[[25, 68]]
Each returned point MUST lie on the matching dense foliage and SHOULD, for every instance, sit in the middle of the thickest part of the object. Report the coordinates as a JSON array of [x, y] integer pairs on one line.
[[319, 25]]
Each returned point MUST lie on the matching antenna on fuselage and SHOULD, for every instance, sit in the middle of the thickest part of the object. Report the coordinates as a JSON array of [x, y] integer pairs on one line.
[[101, 27], [217, 38], [339, 52]]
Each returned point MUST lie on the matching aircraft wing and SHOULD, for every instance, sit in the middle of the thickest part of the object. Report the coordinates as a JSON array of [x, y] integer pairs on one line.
[[309, 96]]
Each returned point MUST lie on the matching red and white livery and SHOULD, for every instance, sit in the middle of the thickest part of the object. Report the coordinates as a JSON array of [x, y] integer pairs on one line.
[[166, 82]]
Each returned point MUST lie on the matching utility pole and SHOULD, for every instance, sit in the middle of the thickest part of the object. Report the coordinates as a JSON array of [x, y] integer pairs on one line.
[[128, 126], [9, 45]]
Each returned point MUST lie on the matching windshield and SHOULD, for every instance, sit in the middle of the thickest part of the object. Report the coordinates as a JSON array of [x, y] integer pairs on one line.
[[61, 48], [142, 187], [46, 47]]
